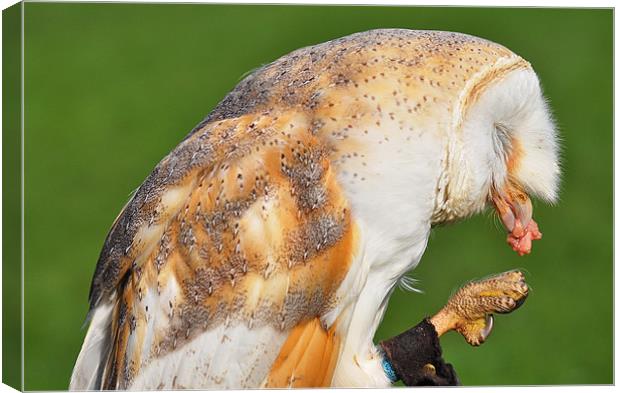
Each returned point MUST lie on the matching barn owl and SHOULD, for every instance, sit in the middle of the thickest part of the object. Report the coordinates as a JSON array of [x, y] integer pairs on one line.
[[262, 251]]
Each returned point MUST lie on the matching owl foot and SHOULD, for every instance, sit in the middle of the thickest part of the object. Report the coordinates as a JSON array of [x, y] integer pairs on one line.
[[470, 310]]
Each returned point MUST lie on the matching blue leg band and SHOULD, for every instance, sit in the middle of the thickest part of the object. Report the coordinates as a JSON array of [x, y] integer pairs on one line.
[[389, 370]]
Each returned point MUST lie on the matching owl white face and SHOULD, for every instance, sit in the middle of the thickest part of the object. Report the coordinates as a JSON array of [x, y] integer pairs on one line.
[[510, 147]]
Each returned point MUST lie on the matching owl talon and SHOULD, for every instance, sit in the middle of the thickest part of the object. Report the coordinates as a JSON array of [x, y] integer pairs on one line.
[[470, 310], [489, 319]]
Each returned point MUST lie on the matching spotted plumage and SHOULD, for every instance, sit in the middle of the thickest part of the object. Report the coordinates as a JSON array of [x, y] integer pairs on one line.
[[262, 250]]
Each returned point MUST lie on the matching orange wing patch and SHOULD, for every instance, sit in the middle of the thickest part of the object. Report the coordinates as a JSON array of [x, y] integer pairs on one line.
[[307, 358]]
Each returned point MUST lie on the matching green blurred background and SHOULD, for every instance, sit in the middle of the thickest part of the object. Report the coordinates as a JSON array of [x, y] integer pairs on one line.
[[112, 88]]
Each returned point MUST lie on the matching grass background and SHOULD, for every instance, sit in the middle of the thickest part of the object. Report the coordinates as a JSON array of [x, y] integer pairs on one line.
[[111, 88]]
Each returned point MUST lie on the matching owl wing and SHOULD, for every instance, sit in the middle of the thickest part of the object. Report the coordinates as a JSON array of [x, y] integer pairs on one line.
[[220, 270]]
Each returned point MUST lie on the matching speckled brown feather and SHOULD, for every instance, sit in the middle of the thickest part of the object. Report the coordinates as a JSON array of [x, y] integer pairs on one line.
[[263, 237], [247, 214]]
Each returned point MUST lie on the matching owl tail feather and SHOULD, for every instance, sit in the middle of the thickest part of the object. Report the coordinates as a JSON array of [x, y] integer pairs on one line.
[[90, 364]]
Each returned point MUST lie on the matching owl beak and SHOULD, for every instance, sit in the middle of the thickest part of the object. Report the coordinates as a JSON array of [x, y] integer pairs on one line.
[[515, 210]]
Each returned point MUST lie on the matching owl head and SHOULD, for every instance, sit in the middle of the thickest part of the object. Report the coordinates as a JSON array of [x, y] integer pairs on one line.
[[504, 145]]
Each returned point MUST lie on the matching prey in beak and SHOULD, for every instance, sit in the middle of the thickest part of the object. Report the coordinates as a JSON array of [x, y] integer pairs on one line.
[[515, 210]]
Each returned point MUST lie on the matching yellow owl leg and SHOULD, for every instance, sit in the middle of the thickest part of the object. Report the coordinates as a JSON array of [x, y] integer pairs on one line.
[[470, 310]]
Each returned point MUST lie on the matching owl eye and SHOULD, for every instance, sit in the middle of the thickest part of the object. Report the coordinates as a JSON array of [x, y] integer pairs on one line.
[[502, 141]]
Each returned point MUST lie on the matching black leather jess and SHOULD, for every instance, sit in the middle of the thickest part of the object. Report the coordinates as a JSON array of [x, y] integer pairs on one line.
[[415, 356]]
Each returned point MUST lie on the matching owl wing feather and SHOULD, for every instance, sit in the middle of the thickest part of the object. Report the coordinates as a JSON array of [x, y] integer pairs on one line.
[[219, 270]]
